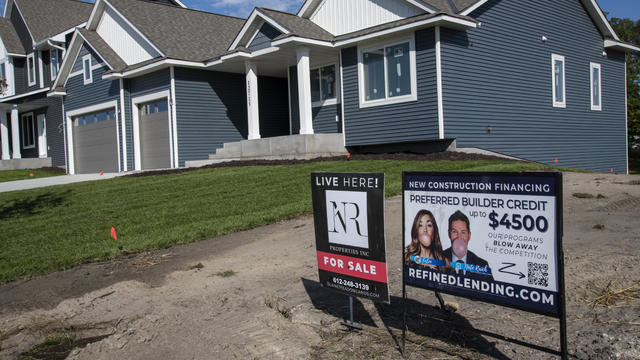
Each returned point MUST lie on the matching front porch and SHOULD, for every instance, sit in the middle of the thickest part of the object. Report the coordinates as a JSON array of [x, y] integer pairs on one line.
[[298, 147]]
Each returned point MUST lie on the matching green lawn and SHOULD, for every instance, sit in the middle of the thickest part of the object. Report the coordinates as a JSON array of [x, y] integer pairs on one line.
[[11, 175], [49, 229]]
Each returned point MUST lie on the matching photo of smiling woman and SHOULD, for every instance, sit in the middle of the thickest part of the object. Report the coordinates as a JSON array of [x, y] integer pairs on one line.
[[425, 248]]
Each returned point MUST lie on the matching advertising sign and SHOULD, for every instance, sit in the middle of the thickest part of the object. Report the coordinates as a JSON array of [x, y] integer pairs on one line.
[[493, 237], [348, 211]]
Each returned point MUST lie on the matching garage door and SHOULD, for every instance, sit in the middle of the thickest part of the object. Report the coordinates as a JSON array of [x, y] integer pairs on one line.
[[154, 135], [95, 142]]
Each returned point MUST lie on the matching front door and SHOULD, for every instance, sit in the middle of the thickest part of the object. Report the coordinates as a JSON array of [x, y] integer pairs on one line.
[[42, 136]]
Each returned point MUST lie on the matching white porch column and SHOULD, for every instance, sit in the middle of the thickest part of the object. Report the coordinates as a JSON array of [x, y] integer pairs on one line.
[[15, 132], [4, 135], [253, 109], [304, 90]]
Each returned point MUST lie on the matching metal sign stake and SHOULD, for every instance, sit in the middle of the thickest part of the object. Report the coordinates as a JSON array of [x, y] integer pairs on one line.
[[350, 324]]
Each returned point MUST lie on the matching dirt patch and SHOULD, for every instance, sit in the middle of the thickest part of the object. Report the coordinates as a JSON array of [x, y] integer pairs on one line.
[[440, 156], [255, 294]]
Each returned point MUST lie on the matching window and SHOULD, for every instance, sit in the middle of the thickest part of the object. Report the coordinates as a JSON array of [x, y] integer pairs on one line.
[[387, 73], [323, 85], [157, 106], [557, 63], [86, 69], [28, 132], [31, 69], [596, 87], [55, 63]]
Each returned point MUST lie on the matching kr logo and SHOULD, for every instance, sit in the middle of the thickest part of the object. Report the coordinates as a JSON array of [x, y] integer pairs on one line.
[[347, 218]]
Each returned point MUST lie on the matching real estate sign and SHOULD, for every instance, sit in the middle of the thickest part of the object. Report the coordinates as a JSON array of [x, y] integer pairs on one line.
[[348, 213], [488, 236]]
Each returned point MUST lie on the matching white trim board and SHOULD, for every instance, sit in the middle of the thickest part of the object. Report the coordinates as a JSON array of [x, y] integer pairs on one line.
[[247, 25]]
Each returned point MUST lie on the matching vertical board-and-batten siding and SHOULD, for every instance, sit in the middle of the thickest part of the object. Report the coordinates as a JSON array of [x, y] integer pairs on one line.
[[99, 91], [211, 109], [123, 39], [323, 117], [500, 76], [263, 38], [402, 122], [341, 17], [21, 29]]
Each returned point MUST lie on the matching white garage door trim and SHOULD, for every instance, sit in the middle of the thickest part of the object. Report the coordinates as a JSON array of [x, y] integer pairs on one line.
[[135, 110], [87, 110]]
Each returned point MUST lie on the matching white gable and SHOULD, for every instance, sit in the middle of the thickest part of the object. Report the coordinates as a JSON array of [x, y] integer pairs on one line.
[[341, 17], [124, 39]]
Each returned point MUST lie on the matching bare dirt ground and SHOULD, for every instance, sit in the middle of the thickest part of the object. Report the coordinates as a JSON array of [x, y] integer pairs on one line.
[[255, 295]]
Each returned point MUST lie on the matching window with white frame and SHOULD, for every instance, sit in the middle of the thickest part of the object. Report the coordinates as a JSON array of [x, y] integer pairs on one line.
[[28, 131], [559, 95], [31, 69], [3, 75], [387, 73], [323, 85], [86, 69], [54, 63], [596, 87]]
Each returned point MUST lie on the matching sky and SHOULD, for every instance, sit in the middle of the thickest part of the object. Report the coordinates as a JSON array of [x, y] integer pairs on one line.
[[242, 8]]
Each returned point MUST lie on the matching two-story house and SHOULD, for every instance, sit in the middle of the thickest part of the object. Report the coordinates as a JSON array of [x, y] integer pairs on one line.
[[34, 35], [148, 85]]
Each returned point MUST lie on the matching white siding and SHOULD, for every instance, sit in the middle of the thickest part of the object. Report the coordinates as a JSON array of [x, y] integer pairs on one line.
[[342, 17], [122, 38]]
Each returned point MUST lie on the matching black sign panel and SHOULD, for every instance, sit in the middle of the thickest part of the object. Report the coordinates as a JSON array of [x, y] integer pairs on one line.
[[348, 211], [495, 237]]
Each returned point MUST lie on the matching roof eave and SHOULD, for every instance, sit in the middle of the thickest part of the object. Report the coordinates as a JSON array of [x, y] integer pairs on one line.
[[621, 46]]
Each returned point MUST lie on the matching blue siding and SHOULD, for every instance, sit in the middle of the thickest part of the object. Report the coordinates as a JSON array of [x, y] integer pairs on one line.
[[264, 37], [211, 109], [409, 121], [499, 76], [98, 92], [151, 83], [324, 119], [20, 75]]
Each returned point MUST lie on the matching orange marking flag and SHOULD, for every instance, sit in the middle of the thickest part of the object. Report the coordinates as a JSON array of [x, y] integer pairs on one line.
[[113, 233]]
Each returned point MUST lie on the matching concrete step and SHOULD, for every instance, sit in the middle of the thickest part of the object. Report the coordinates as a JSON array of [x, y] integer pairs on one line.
[[278, 148]]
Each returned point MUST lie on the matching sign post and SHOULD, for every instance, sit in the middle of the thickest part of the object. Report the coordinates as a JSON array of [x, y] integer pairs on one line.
[[495, 237], [348, 213]]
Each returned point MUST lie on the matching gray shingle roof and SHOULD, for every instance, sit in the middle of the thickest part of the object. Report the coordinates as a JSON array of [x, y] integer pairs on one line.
[[463, 4], [299, 26], [10, 37], [104, 50], [183, 34], [46, 18]]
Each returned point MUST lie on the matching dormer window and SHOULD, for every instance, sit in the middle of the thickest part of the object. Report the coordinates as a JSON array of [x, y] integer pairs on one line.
[[31, 69], [55, 63], [86, 69]]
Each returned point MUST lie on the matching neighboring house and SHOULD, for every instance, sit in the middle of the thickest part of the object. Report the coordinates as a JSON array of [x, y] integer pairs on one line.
[[34, 35], [147, 85]]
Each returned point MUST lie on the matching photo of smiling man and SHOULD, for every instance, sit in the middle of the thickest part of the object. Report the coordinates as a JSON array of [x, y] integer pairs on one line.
[[461, 258]]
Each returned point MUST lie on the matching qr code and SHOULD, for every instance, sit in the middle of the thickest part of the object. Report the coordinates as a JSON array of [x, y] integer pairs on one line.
[[538, 274]]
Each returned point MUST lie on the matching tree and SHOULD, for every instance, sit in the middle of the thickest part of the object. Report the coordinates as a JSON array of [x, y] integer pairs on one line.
[[629, 31]]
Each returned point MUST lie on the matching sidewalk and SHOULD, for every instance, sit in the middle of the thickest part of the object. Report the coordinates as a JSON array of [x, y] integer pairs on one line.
[[52, 181]]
